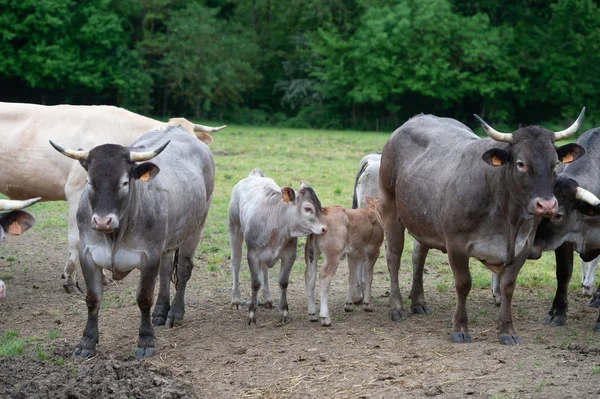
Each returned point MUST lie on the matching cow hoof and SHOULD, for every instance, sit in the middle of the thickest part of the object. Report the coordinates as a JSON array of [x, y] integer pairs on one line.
[[158, 321], [357, 300], [285, 317], [398, 315], [367, 307], [106, 280], [460, 338], [497, 300], [420, 309], [144, 353], [587, 291], [83, 353], [594, 302], [313, 317], [268, 305], [349, 307], [556, 320], [251, 319], [507, 339], [325, 321], [72, 288]]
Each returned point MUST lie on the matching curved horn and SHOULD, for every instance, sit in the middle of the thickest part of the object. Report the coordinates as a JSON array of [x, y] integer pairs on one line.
[[11, 205], [147, 155], [80, 155], [563, 134], [584, 195], [504, 137], [207, 129]]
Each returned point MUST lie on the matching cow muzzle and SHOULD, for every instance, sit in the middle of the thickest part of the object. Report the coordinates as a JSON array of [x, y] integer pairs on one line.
[[319, 229], [545, 207], [105, 224]]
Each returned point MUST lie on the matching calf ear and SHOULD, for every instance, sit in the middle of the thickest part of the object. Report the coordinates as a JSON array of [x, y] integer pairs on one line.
[[145, 172], [16, 222], [288, 194], [570, 152], [496, 157]]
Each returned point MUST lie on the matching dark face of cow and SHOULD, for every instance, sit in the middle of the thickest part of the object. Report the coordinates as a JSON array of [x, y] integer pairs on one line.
[[111, 171], [531, 161]]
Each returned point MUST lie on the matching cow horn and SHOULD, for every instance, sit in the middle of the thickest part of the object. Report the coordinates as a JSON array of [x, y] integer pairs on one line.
[[12, 205], [494, 134], [207, 129], [584, 195], [136, 156], [80, 155], [563, 134]]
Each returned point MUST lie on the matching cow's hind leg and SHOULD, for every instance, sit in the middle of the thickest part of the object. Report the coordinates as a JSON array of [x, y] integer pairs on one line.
[[236, 239], [93, 299], [594, 301], [395, 244], [564, 269], [506, 331], [162, 307], [588, 270], [267, 298], [145, 294], [185, 266], [368, 280], [459, 263], [355, 270], [288, 257], [69, 274], [496, 288], [417, 294], [255, 278]]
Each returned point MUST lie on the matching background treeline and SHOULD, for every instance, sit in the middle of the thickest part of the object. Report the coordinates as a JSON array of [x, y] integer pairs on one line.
[[361, 64]]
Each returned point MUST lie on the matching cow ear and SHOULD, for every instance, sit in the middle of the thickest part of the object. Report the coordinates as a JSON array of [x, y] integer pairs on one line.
[[83, 162], [16, 222], [496, 157], [570, 152], [288, 194], [145, 172], [587, 209]]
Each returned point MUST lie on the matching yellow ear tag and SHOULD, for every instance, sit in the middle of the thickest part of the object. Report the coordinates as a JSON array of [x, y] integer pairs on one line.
[[568, 158], [15, 229], [145, 176], [286, 196], [496, 161]]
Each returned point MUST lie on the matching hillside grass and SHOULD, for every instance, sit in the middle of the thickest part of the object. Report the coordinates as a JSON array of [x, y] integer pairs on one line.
[[327, 161]]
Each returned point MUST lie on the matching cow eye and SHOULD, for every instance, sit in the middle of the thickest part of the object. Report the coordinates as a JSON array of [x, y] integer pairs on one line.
[[125, 183], [521, 166], [308, 209]]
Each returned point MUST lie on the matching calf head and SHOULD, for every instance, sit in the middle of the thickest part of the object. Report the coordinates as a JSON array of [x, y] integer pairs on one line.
[[111, 169], [308, 218], [531, 160]]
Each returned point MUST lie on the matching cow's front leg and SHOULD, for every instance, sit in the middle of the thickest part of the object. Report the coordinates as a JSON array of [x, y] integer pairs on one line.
[[255, 278], [459, 263], [325, 277], [311, 257], [417, 294], [93, 299], [162, 307], [288, 257], [564, 269], [145, 294]]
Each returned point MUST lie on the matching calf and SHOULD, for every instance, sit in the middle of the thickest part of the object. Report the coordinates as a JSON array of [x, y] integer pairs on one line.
[[355, 233], [15, 222], [270, 219], [130, 216]]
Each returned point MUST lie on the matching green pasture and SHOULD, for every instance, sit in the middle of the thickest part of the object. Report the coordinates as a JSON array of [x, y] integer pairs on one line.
[[327, 160]]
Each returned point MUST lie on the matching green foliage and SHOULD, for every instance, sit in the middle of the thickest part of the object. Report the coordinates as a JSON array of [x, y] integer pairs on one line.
[[11, 344]]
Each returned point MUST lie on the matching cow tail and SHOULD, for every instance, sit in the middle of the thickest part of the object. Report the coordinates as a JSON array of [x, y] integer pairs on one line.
[[174, 277], [361, 169]]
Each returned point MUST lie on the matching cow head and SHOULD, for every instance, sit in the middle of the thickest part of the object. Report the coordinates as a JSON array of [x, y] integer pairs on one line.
[[530, 160], [111, 169], [308, 218]]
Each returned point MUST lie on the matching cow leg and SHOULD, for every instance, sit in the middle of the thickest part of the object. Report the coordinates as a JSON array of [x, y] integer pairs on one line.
[[564, 269], [332, 261], [355, 269], [369, 265], [417, 294], [145, 294], [185, 265], [162, 307], [93, 299], [236, 239], [496, 288], [288, 258], [395, 244], [506, 331], [311, 257], [594, 301], [459, 263], [255, 277], [70, 272], [588, 270], [267, 297]]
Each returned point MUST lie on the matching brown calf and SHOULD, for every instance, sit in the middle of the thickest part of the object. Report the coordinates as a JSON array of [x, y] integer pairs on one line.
[[357, 233]]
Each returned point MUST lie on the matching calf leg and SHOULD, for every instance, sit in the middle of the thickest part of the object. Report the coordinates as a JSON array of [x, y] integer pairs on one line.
[[395, 244], [588, 270], [236, 238], [288, 258], [93, 299], [459, 263], [311, 257], [267, 298], [496, 288], [564, 269], [356, 269], [145, 294], [417, 294], [255, 278], [161, 309], [368, 280]]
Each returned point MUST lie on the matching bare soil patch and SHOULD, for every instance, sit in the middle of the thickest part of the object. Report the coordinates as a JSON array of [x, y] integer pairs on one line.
[[214, 354]]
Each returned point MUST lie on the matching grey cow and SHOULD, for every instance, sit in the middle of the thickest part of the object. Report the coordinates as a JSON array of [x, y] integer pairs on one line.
[[14, 222], [367, 180], [469, 197], [131, 216], [270, 219]]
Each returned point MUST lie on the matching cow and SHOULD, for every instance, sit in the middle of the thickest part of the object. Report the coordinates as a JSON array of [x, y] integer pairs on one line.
[[269, 219], [130, 216], [15, 222], [367, 180], [26, 129], [353, 233], [469, 197]]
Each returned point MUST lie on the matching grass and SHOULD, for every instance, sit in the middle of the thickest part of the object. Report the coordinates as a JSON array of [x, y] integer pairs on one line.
[[11, 344]]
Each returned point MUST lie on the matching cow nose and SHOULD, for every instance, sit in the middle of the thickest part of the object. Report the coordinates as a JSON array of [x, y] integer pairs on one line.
[[546, 207], [324, 230], [103, 223]]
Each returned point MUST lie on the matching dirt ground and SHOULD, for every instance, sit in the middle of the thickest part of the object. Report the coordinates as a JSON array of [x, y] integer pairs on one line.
[[214, 354]]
